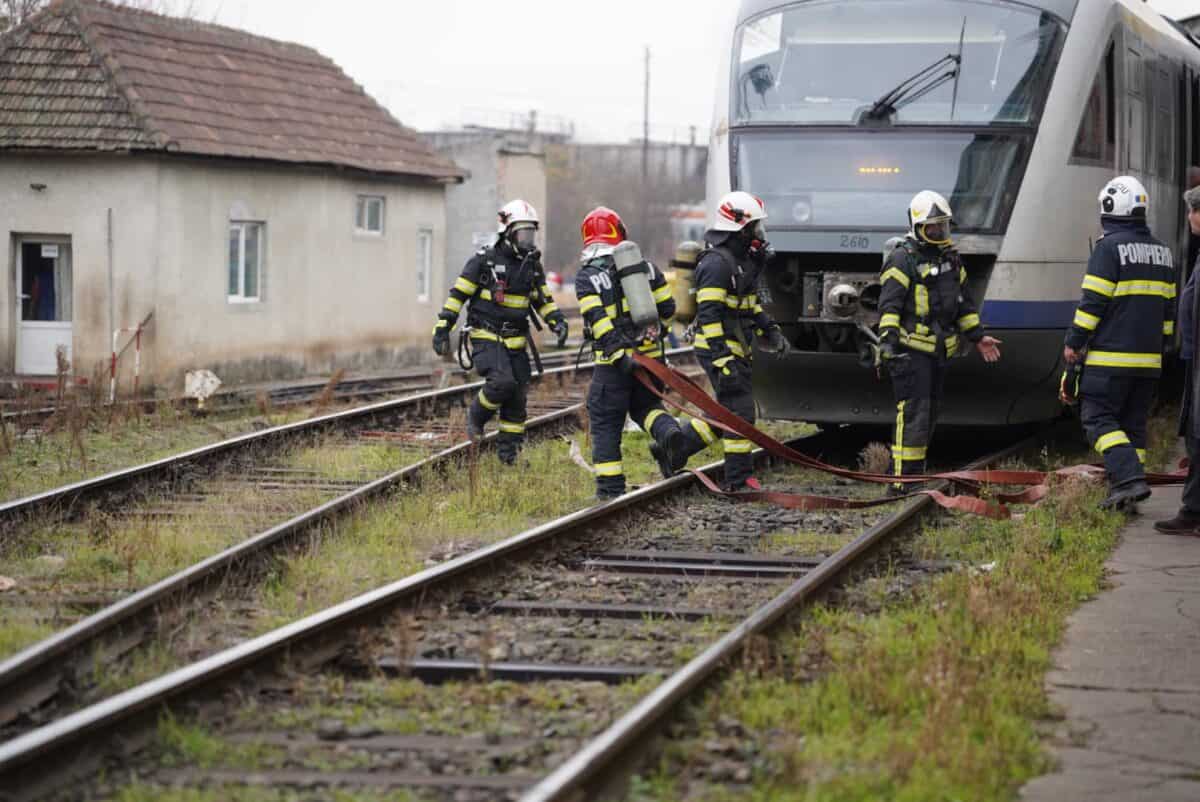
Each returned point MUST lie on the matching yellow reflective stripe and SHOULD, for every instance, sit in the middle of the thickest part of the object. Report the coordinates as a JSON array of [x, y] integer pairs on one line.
[[918, 342], [735, 445], [1141, 452], [515, 343], [508, 427], [735, 347], [705, 431], [488, 405], [601, 327], [663, 293], [951, 344], [611, 311], [454, 305], [589, 302], [701, 343], [466, 285], [722, 362], [895, 274], [547, 309], [515, 301], [480, 334], [921, 297], [1085, 321], [649, 349], [1168, 327], [1100, 286], [962, 275], [897, 461], [909, 453], [889, 321], [609, 469], [968, 322], [1158, 289], [714, 294], [1118, 359], [441, 324], [654, 415], [712, 330], [1112, 440], [615, 356], [758, 310]]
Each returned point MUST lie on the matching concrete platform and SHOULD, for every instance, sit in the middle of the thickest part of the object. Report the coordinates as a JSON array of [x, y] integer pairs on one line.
[[1128, 676]]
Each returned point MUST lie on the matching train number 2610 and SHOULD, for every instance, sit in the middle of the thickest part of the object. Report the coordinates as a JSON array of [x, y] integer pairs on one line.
[[856, 242]]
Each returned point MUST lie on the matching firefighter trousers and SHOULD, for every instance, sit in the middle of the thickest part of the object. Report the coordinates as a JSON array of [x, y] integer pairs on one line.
[[1114, 409], [736, 395], [612, 397], [506, 374], [918, 382]]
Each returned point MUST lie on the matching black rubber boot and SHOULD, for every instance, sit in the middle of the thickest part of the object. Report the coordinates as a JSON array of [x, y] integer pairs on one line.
[[1181, 524], [477, 418], [672, 455], [1126, 494]]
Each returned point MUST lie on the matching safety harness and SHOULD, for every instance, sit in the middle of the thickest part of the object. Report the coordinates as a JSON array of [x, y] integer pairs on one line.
[[1036, 483]]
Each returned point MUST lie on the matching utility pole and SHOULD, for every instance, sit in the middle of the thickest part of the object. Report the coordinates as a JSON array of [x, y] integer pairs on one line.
[[643, 229]]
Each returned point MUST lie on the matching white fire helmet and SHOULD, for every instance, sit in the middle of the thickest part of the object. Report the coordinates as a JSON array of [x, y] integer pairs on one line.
[[738, 210], [515, 212], [1124, 197], [929, 216]]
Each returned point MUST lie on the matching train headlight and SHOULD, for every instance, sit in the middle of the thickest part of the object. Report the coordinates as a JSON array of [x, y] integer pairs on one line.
[[802, 212], [843, 300]]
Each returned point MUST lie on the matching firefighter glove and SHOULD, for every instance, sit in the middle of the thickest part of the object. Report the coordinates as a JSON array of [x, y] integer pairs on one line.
[[727, 376], [559, 327], [777, 343], [441, 342]]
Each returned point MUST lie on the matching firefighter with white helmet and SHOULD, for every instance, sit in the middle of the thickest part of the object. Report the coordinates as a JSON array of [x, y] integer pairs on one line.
[[730, 321], [926, 312], [503, 286], [1124, 321]]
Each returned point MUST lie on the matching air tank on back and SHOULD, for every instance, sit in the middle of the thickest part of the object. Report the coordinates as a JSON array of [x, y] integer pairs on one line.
[[684, 264], [634, 274]]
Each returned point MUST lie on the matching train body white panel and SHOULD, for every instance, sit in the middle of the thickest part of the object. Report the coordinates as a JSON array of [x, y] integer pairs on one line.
[[1026, 265]]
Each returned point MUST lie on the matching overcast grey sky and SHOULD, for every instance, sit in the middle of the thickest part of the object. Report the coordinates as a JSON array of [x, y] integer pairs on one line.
[[447, 62]]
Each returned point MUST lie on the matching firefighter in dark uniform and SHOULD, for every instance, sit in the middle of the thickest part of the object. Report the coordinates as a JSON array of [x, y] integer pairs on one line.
[[926, 311], [502, 286], [1119, 333], [729, 320], [610, 305]]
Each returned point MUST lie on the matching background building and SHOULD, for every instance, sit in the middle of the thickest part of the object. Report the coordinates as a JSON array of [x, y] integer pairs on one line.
[[271, 217]]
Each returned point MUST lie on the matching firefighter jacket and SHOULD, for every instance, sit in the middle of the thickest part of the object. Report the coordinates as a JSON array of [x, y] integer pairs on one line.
[[1128, 307], [925, 305], [501, 288], [606, 311], [728, 314]]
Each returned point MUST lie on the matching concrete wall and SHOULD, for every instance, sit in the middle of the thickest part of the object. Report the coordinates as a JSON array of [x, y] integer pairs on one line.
[[75, 203], [471, 206], [330, 297]]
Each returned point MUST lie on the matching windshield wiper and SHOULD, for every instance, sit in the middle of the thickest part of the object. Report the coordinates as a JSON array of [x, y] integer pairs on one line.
[[915, 87]]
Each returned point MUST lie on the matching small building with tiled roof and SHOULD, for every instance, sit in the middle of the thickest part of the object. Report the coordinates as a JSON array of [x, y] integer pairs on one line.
[[244, 195]]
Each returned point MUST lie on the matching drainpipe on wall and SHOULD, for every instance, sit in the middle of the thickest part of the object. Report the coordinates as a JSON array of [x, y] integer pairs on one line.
[[112, 317]]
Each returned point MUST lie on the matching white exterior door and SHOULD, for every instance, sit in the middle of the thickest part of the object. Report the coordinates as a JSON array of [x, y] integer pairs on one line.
[[44, 304]]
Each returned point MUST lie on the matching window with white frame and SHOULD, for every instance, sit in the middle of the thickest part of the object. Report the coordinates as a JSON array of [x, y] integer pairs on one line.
[[368, 214], [245, 262], [424, 262]]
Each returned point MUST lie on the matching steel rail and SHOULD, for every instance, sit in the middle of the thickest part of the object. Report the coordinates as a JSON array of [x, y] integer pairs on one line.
[[71, 493], [29, 673], [44, 758], [570, 781]]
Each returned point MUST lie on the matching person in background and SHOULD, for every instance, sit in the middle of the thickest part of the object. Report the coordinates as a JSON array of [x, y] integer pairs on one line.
[[1187, 522]]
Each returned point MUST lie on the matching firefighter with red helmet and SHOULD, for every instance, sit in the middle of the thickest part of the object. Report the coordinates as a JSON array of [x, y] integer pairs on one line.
[[626, 305], [730, 320], [502, 285]]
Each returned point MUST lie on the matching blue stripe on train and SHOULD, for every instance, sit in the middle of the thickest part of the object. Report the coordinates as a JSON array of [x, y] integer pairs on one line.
[[1028, 314]]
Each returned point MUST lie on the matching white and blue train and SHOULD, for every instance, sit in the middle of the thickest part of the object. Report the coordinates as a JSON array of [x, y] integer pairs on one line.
[[837, 112]]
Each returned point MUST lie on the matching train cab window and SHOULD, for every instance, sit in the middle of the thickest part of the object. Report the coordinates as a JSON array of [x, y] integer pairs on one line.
[[1096, 142], [1164, 100]]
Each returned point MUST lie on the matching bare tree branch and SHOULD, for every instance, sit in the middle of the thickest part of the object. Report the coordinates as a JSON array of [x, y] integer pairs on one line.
[[15, 12]]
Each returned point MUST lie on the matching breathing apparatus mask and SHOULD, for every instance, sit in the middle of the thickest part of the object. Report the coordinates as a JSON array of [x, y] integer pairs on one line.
[[757, 246], [523, 238], [935, 233]]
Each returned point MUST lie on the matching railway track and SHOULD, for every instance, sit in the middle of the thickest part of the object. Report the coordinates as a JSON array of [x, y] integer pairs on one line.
[[496, 675], [265, 505], [29, 412]]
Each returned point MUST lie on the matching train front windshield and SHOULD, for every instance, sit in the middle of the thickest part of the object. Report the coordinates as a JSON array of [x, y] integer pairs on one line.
[[826, 61]]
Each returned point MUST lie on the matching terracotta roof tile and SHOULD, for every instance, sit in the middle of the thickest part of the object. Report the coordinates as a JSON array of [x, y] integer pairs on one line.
[[85, 71]]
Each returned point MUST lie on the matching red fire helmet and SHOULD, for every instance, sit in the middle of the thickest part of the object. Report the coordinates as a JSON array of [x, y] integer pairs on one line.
[[603, 225]]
